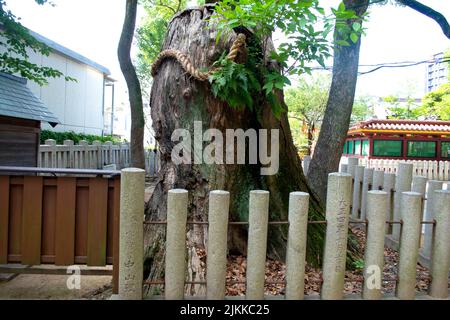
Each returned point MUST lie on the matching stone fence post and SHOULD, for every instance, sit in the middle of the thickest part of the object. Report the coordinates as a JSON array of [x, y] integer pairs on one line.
[[175, 269], [131, 243], [216, 259], [257, 243], [433, 185], [70, 156], [374, 252], [306, 163], [337, 216], [402, 183], [410, 212], [296, 245], [440, 263], [388, 186], [367, 182], [357, 190]]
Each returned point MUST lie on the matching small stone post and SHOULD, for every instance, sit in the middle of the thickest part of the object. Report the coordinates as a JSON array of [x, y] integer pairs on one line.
[[306, 163], [296, 245], [433, 185], [337, 216], [388, 186], [357, 190], [257, 243], [52, 159], [175, 271], [419, 185], [344, 168], [440, 263], [131, 243], [367, 181], [378, 180], [411, 203], [216, 259], [374, 253], [402, 183], [351, 167]]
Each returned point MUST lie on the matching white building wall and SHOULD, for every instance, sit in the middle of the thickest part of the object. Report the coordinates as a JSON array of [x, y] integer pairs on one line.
[[78, 105]]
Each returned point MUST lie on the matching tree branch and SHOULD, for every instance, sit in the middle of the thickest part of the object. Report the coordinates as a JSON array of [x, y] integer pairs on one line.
[[430, 13]]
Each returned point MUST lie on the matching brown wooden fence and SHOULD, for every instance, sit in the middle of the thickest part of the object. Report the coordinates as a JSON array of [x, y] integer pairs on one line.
[[59, 220]]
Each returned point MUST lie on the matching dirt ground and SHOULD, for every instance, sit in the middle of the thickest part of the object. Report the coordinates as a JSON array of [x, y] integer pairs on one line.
[[32, 286]]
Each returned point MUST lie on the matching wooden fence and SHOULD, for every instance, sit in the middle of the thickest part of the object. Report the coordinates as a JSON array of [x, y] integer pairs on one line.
[[407, 218], [92, 156], [59, 220], [433, 170]]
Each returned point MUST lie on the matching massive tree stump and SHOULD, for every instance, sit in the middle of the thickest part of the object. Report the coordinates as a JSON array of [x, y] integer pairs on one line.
[[177, 100]]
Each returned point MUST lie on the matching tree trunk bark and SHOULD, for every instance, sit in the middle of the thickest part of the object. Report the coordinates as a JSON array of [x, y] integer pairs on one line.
[[134, 87], [336, 120], [177, 101]]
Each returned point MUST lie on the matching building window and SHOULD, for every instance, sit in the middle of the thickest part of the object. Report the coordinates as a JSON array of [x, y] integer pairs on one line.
[[422, 149], [350, 147], [445, 149], [365, 148], [345, 148], [387, 148], [358, 147]]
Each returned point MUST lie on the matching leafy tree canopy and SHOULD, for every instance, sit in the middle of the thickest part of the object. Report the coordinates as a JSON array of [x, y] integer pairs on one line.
[[436, 104], [15, 41], [150, 35]]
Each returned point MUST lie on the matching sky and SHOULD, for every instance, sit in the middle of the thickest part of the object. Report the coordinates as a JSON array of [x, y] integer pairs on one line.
[[92, 28]]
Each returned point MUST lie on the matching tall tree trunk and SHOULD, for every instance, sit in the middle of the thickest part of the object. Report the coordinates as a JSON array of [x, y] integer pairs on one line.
[[177, 100], [134, 87], [336, 120]]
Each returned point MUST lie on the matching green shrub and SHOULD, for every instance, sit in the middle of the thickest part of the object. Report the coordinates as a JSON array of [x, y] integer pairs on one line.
[[76, 137]]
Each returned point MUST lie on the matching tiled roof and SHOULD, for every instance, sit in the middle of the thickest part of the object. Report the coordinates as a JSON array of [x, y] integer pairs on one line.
[[17, 100], [403, 125]]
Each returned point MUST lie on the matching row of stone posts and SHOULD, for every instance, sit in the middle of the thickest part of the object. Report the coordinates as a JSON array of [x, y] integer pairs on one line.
[[337, 218]]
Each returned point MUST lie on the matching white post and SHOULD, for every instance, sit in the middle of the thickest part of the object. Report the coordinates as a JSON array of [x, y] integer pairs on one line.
[[296, 245], [357, 190], [374, 252], [70, 158], [441, 246], [419, 185], [84, 163], [433, 185], [97, 154], [337, 216], [402, 183], [378, 180], [52, 159], [216, 259], [257, 243], [388, 187], [411, 203], [367, 180], [175, 271], [131, 244]]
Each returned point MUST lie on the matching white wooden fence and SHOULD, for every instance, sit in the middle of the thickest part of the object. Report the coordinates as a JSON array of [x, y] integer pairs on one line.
[[91, 156], [433, 170], [338, 208]]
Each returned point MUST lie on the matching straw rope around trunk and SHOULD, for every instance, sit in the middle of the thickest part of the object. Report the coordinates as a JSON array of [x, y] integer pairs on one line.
[[186, 62]]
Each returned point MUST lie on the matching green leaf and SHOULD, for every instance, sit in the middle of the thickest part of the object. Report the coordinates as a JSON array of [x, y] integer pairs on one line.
[[354, 37], [356, 26]]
